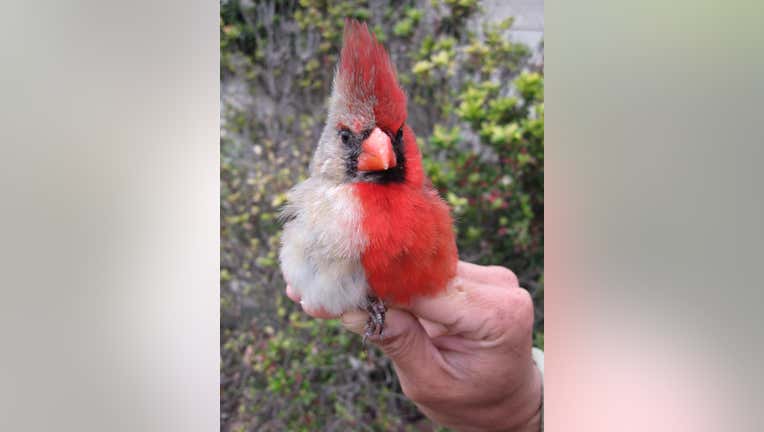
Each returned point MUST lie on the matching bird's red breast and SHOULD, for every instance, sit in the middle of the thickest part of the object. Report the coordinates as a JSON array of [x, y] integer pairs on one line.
[[411, 249]]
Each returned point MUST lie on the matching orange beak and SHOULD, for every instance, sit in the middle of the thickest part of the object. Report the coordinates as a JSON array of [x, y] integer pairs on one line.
[[376, 152]]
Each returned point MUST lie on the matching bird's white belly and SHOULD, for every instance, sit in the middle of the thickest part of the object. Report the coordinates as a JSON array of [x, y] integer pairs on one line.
[[322, 246]]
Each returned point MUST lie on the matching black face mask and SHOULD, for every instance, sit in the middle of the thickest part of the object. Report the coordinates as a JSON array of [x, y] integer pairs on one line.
[[352, 143]]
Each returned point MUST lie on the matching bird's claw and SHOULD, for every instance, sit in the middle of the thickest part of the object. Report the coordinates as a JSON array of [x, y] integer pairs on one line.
[[376, 321]]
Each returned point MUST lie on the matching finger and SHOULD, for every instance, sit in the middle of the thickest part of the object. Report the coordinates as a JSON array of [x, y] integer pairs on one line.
[[446, 308], [290, 292], [404, 340], [473, 291], [355, 321], [463, 308], [489, 275]]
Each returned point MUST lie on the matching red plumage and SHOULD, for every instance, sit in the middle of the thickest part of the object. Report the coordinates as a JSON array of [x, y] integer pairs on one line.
[[411, 249], [366, 70]]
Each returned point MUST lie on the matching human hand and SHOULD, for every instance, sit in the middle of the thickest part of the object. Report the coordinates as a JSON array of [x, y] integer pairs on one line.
[[464, 357]]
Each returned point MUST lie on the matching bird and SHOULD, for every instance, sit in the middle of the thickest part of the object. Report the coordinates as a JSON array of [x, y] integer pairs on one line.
[[366, 229]]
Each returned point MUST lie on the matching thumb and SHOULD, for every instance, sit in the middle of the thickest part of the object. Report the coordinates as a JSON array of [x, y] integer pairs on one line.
[[404, 339]]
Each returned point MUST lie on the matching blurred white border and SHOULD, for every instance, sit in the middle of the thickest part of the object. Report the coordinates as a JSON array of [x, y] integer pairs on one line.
[[109, 318]]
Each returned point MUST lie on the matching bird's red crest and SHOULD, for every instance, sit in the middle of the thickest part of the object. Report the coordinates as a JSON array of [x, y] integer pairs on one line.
[[368, 75]]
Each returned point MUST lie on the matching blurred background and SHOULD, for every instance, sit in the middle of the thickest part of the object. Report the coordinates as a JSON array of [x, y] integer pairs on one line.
[[474, 75]]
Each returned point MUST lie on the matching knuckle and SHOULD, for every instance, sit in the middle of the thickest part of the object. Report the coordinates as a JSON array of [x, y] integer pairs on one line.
[[503, 313], [522, 304], [515, 308], [505, 276]]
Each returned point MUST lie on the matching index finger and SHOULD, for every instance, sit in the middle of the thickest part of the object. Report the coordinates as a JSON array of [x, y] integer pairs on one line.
[[447, 308], [468, 303]]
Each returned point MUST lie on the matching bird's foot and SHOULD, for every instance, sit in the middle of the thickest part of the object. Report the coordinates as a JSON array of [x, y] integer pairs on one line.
[[376, 321]]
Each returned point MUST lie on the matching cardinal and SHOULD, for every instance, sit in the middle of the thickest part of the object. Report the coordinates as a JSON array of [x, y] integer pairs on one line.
[[367, 229]]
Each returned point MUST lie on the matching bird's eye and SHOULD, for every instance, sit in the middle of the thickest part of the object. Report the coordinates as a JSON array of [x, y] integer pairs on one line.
[[345, 136]]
